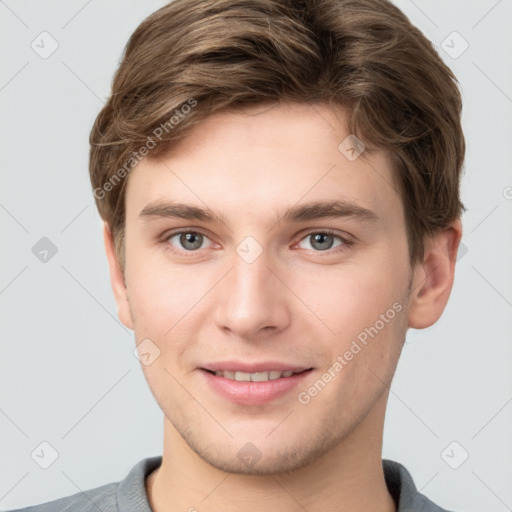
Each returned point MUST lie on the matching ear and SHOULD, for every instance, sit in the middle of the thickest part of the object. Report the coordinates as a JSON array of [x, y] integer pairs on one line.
[[433, 279], [117, 280]]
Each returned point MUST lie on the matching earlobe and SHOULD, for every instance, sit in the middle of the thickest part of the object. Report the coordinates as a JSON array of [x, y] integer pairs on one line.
[[117, 280], [433, 279]]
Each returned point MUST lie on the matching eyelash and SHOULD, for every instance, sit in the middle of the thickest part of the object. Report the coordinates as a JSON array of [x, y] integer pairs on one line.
[[345, 242]]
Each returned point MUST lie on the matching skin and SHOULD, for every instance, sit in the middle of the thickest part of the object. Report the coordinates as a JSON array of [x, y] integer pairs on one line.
[[295, 303]]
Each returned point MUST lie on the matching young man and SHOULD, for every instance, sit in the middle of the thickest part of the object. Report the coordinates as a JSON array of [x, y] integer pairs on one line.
[[279, 182]]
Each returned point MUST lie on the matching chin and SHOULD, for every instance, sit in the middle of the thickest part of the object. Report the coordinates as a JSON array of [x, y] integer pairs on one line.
[[261, 455]]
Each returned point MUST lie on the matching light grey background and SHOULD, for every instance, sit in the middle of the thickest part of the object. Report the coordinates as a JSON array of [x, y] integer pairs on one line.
[[68, 376]]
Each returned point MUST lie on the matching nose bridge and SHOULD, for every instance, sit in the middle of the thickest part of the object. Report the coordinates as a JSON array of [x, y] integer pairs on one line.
[[249, 297], [250, 277]]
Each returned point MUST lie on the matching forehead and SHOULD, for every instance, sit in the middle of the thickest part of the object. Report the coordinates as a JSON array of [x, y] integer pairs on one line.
[[263, 159]]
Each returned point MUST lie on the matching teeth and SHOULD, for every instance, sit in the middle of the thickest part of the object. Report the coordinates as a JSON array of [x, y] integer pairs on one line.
[[258, 376], [254, 377]]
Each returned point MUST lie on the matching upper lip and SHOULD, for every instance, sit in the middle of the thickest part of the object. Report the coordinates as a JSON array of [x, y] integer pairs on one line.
[[264, 366]]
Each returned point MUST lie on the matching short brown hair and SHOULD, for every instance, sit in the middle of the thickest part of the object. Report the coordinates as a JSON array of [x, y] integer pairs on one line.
[[194, 58]]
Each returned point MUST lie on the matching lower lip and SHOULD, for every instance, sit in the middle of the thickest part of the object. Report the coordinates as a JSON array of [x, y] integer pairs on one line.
[[253, 393]]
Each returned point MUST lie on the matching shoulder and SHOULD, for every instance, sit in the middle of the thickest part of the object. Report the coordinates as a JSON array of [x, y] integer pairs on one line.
[[100, 498], [127, 494], [401, 486]]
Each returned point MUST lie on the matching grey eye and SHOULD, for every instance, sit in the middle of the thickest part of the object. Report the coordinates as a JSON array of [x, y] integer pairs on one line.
[[191, 241], [321, 241], [186, 241]]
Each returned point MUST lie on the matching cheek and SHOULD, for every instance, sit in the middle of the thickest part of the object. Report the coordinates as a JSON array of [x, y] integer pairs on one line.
[[349, 299], [161, 294], [366, 312]]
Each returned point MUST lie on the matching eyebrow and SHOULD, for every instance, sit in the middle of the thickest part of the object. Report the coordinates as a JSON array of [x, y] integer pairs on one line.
[[329, 209], [169, 209], [297, 213]]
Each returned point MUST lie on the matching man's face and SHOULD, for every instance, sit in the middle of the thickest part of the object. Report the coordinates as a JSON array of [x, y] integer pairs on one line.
[[260, 291]]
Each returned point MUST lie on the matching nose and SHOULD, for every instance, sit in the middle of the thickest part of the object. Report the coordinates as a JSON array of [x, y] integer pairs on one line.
[[251, 300]]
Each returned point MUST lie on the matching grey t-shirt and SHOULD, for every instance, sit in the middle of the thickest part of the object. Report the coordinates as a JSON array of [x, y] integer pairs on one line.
[[129, 495]]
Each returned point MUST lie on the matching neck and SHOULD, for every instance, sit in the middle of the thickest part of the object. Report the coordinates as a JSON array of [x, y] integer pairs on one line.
[[349, 477]]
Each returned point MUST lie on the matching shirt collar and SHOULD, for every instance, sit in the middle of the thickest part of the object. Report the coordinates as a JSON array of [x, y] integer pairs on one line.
[[131, 492]]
